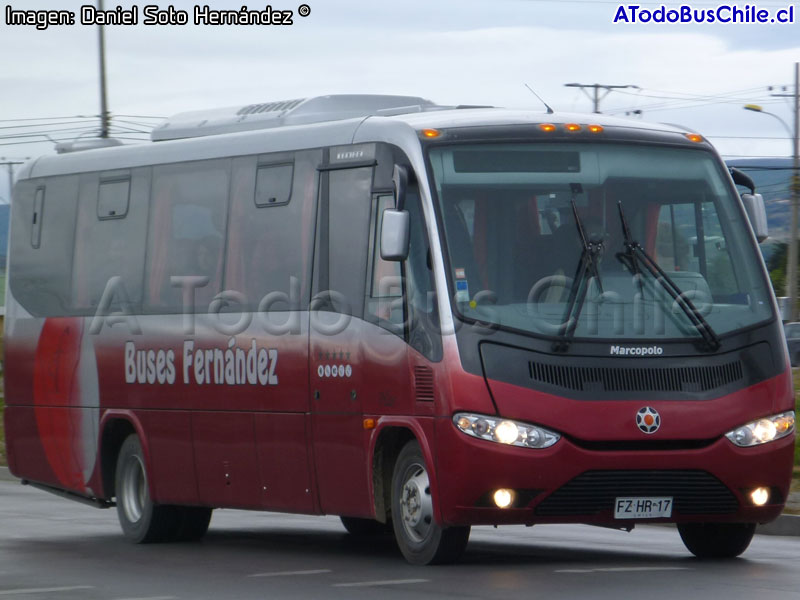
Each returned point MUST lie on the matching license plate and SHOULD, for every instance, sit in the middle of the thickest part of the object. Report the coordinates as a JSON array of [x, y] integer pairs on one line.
[[642, 508]]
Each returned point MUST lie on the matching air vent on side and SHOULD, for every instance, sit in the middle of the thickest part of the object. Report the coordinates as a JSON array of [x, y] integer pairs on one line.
[[633, 379], [269, 107], [423, 384]]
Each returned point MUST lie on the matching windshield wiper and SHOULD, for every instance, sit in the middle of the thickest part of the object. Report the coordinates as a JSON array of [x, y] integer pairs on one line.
[[585, 272], [635, 254]]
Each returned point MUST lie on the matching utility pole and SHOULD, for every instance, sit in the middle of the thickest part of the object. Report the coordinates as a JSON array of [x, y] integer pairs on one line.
[[595, 96], [791, 267], [104, 117], [9, 162]]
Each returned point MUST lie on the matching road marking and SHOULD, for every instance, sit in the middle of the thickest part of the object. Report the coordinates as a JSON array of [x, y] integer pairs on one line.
[[71, 588], [291, 573], [151, 598], [385, 582], [622, 569]]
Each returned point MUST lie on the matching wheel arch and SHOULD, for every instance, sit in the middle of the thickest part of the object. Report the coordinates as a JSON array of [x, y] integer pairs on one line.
[[389, 438], [115, 427]]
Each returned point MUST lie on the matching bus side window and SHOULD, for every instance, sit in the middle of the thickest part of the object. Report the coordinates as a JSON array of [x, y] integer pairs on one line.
[[112, 215], [424, 333], [342, 240], [384, 302], [187, 234], [271, 230], [40, 275]]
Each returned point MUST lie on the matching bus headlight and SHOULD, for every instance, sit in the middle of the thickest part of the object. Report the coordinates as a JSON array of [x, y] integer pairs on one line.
[[763, 430], [505, 431]]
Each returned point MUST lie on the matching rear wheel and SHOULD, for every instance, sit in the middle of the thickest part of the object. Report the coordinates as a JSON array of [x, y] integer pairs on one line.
[[141, 520], [716, 540], [366, 527], [421, 540]]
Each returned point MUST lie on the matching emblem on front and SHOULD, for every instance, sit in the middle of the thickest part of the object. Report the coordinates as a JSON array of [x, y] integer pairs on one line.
[[648, 419]]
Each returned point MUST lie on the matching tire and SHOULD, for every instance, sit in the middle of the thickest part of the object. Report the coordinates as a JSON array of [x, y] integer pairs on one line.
[[193, 522], [142, 521], [366, 527], [421, 540], [716, 540]]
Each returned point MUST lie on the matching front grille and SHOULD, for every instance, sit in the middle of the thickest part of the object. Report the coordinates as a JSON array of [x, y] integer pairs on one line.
[[636, 379], [593, 492]]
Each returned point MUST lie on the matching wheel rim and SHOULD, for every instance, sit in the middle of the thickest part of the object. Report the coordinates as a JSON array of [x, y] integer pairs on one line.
[[133, 495], [416, 505]]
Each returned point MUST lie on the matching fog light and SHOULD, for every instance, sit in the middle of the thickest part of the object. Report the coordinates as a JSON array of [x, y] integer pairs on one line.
[[504, 498], [759, 496]]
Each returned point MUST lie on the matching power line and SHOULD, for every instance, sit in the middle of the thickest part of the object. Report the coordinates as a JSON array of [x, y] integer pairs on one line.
[[596, 87]]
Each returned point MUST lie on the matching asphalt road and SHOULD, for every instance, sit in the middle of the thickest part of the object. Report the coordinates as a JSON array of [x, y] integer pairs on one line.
[[55, 548]]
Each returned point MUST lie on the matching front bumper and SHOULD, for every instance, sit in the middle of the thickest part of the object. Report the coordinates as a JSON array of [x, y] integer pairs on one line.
[[570, 484]]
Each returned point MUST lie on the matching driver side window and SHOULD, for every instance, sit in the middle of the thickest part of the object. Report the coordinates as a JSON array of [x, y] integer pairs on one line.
[[400, 296]]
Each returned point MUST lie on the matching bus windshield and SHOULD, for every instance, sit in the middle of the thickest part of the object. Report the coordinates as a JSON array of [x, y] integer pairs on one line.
[[536, 240]]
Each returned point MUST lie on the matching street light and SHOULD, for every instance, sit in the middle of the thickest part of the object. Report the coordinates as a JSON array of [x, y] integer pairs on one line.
[[791, 267], [757, 108]]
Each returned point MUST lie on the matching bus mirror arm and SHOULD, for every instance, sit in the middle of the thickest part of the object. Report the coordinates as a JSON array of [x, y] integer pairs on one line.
[[394, 235], [740, 178]]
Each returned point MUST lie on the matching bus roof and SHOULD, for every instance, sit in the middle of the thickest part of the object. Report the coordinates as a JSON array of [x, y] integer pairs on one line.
[[378, 124]]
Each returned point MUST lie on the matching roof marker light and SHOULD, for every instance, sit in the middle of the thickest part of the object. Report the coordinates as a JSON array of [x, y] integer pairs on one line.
[[694, 137], [431, 133], [548, 127], [596, 128], [572, 127]]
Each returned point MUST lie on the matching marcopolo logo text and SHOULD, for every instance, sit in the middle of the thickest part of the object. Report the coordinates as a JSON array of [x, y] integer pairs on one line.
[[636, 350]]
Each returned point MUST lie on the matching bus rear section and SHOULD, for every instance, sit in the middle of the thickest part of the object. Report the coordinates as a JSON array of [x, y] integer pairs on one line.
[[419, 323]]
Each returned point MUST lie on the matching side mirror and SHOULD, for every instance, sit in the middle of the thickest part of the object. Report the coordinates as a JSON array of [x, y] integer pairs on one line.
[[757, 214], [394, 234]]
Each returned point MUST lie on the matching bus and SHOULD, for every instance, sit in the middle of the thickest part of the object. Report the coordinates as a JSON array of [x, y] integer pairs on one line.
[[419, 318]]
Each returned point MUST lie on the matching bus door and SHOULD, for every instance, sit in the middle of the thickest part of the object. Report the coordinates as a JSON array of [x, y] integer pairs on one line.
[[268, 264], [336, 331]]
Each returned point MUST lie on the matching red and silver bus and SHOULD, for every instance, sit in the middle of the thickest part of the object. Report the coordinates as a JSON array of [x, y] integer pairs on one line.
[[419, 318]]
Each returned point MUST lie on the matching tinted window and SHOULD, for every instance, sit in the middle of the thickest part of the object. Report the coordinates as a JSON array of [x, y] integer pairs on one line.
[[112, 199], [344, 220], [270, 245], [41, 247], [384, 294], [273, 185], [186, 234], [108, 245]]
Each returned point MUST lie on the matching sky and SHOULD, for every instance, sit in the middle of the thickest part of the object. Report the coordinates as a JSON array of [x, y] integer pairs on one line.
[[451, 52]]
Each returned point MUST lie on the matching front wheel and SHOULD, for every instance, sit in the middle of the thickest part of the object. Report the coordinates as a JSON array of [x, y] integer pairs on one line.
[[716, 540], [421, 540], [141, 520]]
